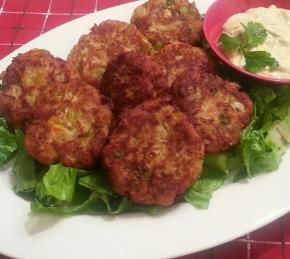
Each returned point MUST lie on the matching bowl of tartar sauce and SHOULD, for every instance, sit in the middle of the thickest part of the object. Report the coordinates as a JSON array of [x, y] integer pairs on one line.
[[251, 36]]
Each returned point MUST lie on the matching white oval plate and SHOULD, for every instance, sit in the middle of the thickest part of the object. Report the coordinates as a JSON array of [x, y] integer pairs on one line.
[[235, 209]]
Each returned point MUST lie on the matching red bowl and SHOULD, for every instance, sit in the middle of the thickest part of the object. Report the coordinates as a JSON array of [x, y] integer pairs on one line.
[[220, 11]]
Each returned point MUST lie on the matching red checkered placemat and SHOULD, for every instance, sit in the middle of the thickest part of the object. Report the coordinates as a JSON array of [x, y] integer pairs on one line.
[[23, 20]]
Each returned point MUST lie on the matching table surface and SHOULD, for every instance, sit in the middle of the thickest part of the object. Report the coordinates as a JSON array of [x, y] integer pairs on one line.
[[23, 20]]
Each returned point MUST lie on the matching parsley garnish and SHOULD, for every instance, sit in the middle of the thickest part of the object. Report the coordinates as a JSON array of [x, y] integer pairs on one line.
[[256, 60], [254, 35], [229, 43]]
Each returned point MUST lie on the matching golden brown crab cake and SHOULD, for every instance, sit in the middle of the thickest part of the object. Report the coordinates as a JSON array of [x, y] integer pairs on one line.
[[133, 78], [106, 41], [24, 80], [154, 153], [165, 21], [179, 57], [71, 125], [215, 107]]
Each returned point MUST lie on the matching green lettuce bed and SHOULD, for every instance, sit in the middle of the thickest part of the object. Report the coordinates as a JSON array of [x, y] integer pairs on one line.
[[59, 189]]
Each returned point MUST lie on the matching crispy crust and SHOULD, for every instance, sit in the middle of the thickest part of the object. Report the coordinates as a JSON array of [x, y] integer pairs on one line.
[[165, 21], [215, 107], [105, 42], [154, 154], [28, 75], [133, 78], [71, 125], [179, 57]]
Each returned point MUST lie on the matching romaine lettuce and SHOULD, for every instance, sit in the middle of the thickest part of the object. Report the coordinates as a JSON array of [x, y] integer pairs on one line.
[[7, 142], [24, 167], [59, 189], [67, 190], [261, 148]]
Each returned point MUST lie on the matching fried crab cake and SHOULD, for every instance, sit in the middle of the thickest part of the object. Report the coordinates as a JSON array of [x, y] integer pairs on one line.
[[165, 21], [133, 78], [25, 78], [178, 58], [154, 153], [72, 126], [105, 42], [215, 107]]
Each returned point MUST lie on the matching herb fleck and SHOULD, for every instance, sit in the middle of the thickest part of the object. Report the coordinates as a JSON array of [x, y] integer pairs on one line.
[[100, 71], [118, 155]]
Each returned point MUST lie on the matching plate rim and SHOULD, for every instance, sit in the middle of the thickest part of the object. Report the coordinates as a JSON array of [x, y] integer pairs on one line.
[[251, 228]]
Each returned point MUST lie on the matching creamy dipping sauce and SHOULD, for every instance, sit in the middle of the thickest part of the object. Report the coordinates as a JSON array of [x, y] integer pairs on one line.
[[276, 22]]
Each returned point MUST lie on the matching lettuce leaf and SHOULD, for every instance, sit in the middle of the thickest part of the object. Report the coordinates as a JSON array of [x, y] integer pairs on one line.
[[39, 207], [218, 169], [262, 150], [57, 184], [69, 190], [24, 167], [8, 143], [200, 193], [266, 139], [65, 190], [96, 182], [57, 191], [109, 202]]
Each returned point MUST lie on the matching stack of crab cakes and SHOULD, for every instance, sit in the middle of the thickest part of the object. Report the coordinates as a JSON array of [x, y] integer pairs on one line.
[[142, 98], [171, 107]]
